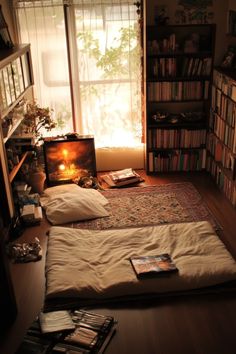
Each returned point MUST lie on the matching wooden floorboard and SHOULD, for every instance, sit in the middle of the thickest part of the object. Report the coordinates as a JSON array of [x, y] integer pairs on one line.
[[196, 324]]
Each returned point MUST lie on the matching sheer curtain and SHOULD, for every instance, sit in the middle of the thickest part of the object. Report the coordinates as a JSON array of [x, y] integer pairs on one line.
[[42, 24], [87, 66]]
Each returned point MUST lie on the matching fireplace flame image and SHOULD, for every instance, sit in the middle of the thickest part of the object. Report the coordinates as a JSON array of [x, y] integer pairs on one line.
[[68, 160]]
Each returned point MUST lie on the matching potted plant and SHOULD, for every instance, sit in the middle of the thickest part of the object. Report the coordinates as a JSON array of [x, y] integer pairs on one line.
[[36, 119]]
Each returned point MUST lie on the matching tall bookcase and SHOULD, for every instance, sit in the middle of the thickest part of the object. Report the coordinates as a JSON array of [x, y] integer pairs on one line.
[[178, 70], [221, 142]]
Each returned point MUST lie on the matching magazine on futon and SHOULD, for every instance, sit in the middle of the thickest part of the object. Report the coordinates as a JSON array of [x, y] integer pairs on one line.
[[148, 266]]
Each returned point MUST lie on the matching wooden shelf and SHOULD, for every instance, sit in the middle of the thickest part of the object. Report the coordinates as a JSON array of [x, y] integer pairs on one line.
[[176, 148], [180, 68], [180, 125], [180, 54], [17, 167], [221, 149], [17, 76], [179, 78], [11, 131]]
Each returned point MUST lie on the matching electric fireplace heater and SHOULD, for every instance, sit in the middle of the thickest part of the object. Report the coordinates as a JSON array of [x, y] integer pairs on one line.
[[69, 159]]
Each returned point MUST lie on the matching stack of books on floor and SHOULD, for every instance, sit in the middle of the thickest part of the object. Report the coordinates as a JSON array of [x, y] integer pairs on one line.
[[122, 178], [77, 332]]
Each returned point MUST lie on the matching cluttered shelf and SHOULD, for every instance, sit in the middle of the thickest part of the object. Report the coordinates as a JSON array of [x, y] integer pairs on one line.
[[18, 166]]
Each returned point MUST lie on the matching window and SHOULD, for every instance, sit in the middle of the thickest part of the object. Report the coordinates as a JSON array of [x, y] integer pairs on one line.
[[42, 24], [87, 65]]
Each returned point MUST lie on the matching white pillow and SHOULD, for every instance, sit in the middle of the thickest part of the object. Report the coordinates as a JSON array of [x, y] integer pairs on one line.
[[91, 194], [69, 207], [60, 189]]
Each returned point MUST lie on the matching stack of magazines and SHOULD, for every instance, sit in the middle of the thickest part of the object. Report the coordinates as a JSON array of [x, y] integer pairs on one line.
[[122, 178], [77, 331]]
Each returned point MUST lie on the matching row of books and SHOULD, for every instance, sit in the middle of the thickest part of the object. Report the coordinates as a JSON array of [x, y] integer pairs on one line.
[[197, 66], [163, 67], [220, 152], [172, 67], [14, 79], [165, 45], [177, 160], [174, 138], [224, 132], [178, 91], [223, 106], [226, 184], [225, 84]]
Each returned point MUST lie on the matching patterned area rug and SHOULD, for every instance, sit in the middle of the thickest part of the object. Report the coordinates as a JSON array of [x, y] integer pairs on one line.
[[151, 205]]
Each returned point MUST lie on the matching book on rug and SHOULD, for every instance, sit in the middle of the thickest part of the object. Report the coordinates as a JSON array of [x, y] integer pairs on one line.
[[147, 266], [122, 178]]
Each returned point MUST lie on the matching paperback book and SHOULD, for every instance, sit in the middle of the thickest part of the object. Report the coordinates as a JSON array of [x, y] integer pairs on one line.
[[122, 178], [148, 266], [55, 321]]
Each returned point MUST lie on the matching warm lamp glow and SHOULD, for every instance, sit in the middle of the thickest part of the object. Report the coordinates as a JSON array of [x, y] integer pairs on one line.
[[62, 167]]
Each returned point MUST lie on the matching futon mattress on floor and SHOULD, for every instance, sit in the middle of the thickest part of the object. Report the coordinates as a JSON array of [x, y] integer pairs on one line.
[[87, 265]]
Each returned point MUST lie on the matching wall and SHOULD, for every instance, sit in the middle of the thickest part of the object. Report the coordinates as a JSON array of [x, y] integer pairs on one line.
[[232, 5], [8, 15]]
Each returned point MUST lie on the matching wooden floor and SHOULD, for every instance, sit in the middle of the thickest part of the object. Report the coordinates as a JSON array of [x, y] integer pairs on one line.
[[196, 324]]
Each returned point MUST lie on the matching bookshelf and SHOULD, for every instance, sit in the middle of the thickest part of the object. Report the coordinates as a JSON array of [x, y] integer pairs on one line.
[[178, 70], [221, 142], [16, 77], [16, 82]]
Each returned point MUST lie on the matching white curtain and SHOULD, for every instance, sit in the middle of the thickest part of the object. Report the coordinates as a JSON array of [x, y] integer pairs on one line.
[[97, 42], [41, 23]]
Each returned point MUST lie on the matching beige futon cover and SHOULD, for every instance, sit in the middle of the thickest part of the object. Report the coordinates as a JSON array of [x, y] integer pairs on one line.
[[94, 264]]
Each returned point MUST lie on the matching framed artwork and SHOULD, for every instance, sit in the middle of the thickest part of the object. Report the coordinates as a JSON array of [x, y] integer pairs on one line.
[[69, 159]]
